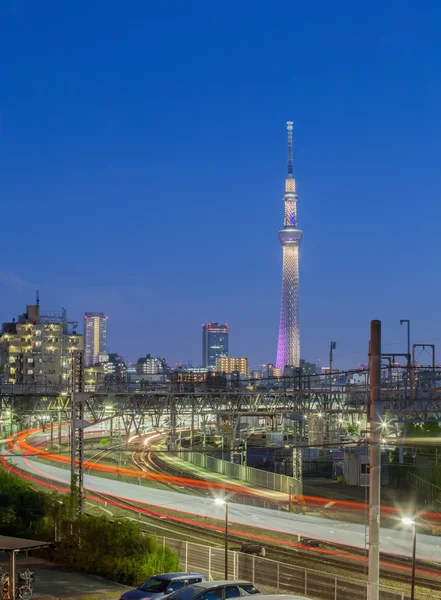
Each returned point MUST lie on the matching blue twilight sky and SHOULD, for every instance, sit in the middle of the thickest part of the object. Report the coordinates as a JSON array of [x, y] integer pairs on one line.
[[143, 157]]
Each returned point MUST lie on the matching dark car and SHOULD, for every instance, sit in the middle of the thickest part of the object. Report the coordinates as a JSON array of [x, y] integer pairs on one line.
[[162, 585], [215, 590]]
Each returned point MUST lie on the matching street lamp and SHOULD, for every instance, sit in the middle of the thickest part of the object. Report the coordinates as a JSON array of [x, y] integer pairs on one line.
[[222, 502], [408, 521]]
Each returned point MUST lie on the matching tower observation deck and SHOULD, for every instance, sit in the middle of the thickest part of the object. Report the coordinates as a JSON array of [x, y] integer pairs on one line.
[[288, 347]]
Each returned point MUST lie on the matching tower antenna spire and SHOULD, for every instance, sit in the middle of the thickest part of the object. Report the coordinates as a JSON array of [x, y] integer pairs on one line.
[[289, 125], [288, 347]]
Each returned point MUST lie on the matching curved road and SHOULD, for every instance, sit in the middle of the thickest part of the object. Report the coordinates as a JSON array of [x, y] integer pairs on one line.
[[396, 542]]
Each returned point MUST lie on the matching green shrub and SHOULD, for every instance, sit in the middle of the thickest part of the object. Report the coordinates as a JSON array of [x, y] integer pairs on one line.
[[116, 550], [113, 549]]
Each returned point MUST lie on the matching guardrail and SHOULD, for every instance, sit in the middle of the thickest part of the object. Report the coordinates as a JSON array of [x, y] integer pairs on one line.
[[272, 481]]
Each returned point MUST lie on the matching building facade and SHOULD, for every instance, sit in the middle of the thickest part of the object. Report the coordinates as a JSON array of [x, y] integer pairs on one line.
[[214, 343], [228, 364], [36, 349], [288, 347], [307, 367], [95, 337], [94, 378], [149, 365], [115, 373]]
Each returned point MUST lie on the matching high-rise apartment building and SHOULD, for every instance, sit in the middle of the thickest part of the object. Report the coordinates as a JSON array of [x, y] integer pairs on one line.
[[37, 348], [95, 337], [228, 364], [288, 347], [214, 343]]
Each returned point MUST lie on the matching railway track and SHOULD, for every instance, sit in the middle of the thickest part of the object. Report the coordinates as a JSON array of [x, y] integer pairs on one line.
[[299, 556], [429, 574], [357, 564]]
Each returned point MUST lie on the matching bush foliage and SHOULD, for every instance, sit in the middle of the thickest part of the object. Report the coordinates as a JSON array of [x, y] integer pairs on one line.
[[113, 549], [23, 509]]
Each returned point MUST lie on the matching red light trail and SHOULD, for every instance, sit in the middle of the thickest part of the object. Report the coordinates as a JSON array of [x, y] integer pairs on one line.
[[119, 501]]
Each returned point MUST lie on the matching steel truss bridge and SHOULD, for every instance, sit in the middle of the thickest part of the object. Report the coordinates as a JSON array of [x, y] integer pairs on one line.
[[312, 413], [143, 409]]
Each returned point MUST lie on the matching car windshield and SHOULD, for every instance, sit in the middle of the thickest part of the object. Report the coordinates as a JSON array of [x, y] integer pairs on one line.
[[154, 585], [186, 593]]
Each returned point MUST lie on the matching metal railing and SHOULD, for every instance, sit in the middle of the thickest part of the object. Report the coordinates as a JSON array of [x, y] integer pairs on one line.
[[272, 481], [432, 491], [271, 576]]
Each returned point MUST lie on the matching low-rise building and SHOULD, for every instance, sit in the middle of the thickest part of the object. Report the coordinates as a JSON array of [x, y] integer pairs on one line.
[[228, 364], [148, 365]]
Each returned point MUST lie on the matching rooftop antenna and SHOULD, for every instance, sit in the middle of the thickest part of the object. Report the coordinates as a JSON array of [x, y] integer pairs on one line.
[[289, 127], [38, 298]]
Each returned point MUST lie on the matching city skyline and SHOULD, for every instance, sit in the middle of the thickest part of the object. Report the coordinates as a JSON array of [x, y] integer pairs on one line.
[[175, 153]]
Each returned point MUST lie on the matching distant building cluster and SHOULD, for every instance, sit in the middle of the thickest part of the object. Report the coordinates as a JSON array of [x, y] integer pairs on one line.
[[36, 348]]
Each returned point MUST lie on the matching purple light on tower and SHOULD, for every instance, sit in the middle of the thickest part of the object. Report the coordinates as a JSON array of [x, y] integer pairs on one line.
[[288, 347]]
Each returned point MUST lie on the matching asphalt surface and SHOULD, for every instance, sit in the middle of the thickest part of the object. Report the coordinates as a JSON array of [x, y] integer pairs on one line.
[[52, 581], [398, 542]]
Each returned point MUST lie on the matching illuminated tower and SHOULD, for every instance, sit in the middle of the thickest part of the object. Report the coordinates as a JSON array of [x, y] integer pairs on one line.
[[214, 343], [288, 347], [95, 337]]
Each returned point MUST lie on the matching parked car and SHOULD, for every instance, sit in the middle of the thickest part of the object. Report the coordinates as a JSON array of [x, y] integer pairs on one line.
[[216, 590], [160, 586]]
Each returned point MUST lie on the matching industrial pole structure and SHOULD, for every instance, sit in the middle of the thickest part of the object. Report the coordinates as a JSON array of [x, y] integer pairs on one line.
[[77, 433], [332, 347], [375, 412], [288, 347], [423, 346], [407, 321], [409, 363]]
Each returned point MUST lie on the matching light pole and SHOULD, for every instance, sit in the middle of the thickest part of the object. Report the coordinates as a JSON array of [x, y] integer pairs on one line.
[[408, 521], [332, 347], [402, 321], [409, 362], [222, 502]]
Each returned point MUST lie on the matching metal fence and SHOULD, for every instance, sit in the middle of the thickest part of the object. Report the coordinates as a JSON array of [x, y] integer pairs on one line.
[[271, 576], [273, 481], [431, 491]]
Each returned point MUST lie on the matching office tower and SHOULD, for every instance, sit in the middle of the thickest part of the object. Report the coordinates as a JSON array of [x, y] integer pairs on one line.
[[95, 337], [214, 343], [288, 347], [226, 364]]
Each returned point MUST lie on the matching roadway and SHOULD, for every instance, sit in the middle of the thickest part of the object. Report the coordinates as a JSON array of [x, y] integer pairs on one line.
[[393, 541]]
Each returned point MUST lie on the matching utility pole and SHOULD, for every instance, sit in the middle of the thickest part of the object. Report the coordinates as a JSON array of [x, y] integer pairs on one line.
[[332, 347], [375, 412], [407, 321]]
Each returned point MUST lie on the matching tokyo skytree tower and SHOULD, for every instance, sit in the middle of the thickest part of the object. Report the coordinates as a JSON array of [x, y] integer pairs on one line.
[[288, 347]]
